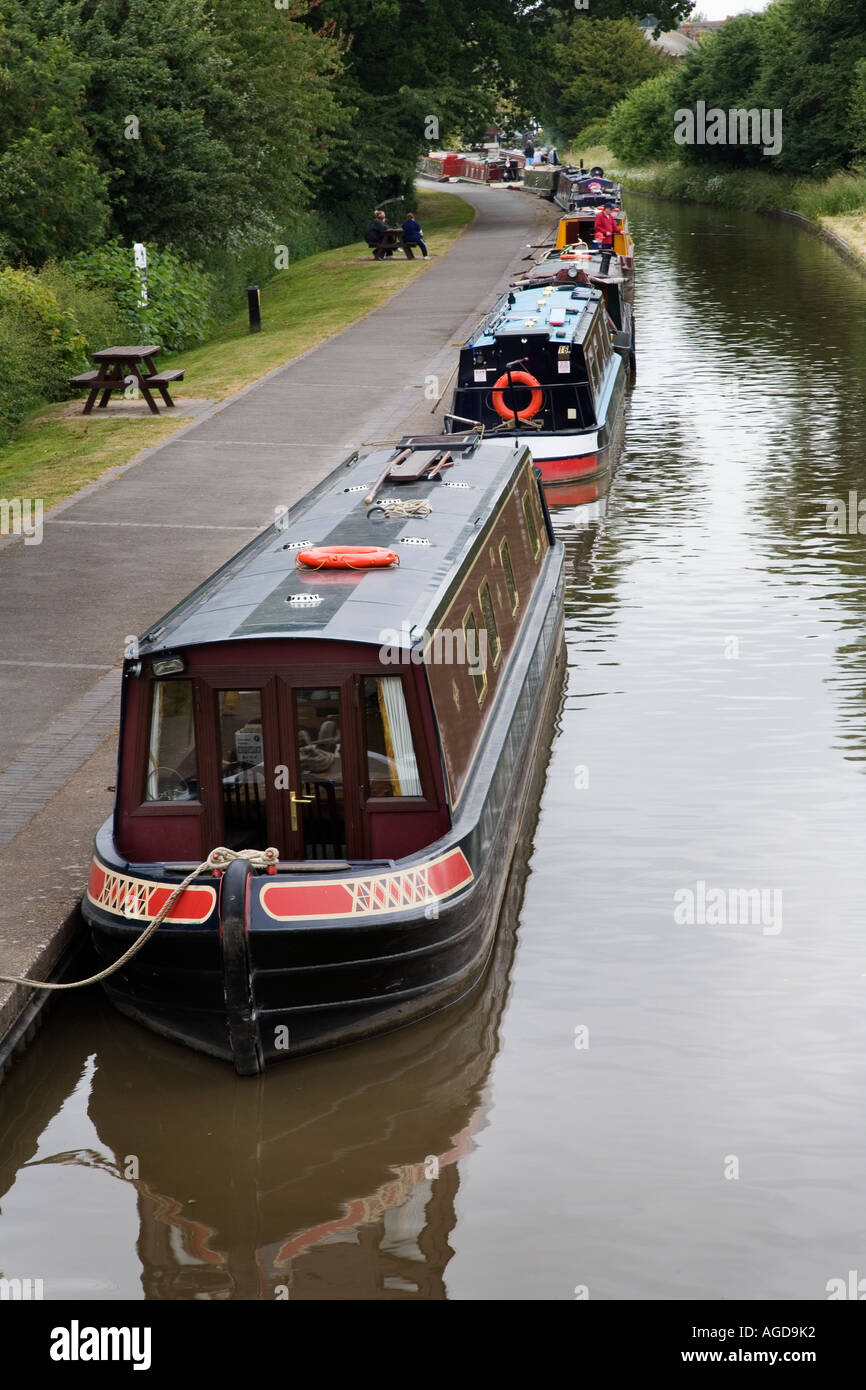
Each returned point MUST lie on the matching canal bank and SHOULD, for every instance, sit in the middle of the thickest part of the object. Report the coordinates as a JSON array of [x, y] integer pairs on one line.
[[122, 551]]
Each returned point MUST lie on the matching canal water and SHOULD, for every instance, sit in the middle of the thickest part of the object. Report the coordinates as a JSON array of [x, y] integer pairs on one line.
[[661, 1090]]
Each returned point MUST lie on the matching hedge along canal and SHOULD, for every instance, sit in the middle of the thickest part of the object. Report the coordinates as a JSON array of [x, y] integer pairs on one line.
[[655, 1106]]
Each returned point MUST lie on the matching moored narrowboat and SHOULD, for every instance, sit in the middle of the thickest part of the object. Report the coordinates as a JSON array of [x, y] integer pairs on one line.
[[578, 228], [578, 264], [441, 165], [542, 179], [374, 718], [577, 188], [475, 166], [542, 368]]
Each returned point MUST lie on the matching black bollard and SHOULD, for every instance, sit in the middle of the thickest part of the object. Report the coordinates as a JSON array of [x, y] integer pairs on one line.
[[254, 301], [605, 262]]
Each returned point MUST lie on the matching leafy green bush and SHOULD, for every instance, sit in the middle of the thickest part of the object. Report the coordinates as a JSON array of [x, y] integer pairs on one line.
[[94, 311], [19, 371], [593, 134], [641, 127], [30, 307], [40, 346], [179, 312]]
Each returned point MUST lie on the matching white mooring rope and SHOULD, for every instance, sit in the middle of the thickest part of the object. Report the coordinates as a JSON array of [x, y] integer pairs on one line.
[[419, 507], [219, 858]]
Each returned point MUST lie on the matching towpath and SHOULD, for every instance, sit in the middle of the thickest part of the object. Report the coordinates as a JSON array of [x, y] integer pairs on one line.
[[121, 552]]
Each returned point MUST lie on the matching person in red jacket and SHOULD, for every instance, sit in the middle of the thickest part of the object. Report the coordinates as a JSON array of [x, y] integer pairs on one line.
[[604, 228]]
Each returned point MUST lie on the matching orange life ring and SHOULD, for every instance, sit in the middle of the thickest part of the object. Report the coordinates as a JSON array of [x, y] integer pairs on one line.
[[347, 557], [522, 379]]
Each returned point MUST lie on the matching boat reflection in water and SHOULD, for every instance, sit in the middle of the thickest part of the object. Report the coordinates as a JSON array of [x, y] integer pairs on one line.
[[331, 1179], [335, 1178]]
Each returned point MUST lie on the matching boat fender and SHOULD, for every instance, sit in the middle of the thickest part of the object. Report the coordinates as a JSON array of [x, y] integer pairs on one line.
[[237, 973], [521, 379]]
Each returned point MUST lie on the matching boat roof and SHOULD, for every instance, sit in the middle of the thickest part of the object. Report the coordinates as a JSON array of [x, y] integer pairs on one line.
[[261, 592], [563, 312]]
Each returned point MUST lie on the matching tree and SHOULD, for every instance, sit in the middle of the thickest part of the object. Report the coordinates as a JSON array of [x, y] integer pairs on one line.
[[798, 58], [723, 72], [285, 79], [641, 127], [209, 122], [158, 101], [808, 55], [52, 196], [414, 69], [668, 13], [589, 66]]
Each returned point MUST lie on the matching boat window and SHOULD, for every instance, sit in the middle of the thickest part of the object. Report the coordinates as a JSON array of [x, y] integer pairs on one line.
[[392, 768], [242, 773], [320, 762], [531, 527], [487, 613], [172, 773], [513, 595], [592, 364], [473, 655]]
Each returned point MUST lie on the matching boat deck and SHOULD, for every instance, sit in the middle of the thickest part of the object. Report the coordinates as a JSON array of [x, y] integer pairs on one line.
[[261, 592], [563, 314]]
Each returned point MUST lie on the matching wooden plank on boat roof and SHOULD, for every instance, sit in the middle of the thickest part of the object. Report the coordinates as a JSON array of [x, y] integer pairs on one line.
[[444, 441], [414, 466]]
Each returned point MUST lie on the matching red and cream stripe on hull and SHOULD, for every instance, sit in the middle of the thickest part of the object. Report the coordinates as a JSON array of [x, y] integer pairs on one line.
[[140, 899], [284, 900], [367, 896]]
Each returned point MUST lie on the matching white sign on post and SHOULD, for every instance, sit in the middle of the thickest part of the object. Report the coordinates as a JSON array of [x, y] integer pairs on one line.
[[139, 252]]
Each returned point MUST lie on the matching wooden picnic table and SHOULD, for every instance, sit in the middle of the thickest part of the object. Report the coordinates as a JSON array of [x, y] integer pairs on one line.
[[116, 366], [393, 240]]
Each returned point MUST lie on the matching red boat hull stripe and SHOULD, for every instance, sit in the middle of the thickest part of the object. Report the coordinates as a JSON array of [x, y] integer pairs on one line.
[[564, 469], [368, 896], [139, 899]]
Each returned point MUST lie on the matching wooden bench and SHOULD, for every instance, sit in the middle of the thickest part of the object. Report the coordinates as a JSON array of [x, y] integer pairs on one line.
[[84, 381], [156, 377], [161, 379], [392, 241]]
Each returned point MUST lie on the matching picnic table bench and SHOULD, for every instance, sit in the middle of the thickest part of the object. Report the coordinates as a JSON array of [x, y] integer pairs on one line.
[[393, 240], [116, 366]]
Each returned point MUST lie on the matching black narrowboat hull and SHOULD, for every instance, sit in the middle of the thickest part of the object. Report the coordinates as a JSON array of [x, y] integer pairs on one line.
[[268, 966]]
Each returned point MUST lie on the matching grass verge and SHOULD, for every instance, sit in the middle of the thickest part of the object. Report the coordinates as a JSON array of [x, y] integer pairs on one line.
[[56, 453]]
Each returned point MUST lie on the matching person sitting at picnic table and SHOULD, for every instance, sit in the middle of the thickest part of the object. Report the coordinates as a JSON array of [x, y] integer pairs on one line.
[[413, 236], [376, 234]]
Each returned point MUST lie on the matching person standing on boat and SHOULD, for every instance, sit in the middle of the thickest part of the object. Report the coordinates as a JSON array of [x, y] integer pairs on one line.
[[529, 151], [413, 236], [604, 228], [553, 155]]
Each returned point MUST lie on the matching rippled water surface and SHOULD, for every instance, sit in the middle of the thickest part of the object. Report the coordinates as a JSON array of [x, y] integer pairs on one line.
[[646, 1106]]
